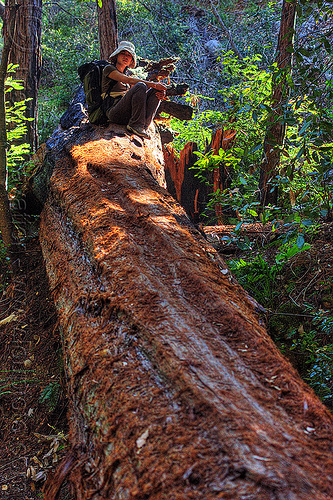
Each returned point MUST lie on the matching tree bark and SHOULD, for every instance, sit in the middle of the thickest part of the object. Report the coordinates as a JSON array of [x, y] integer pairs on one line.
[[182, 183], [220, 177], [276, 129], [180, 111], [185, 185], [107, 28], [176, 391], [26, 52], [6, 223]]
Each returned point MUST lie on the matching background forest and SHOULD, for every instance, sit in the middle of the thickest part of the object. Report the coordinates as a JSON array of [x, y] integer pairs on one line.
[[279, 251], [234, 89], [274, 231]]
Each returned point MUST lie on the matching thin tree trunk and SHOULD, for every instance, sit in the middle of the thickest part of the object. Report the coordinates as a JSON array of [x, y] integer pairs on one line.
[[176, 391], [276, 129], [26, 52], [6, 223], [107, 28], [225, 31]]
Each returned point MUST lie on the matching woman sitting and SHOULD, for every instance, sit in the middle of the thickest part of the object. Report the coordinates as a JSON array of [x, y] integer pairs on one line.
[[128, 100]]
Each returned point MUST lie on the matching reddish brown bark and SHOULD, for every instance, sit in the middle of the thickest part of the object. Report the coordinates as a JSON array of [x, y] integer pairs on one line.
[[276, 129], [107, 28], [180, 111], [220, 179], [176, 390], [183, 182], [6, 223], [26, 52]]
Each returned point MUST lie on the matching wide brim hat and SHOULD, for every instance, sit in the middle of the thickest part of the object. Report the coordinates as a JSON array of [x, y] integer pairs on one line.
[[129, 47]]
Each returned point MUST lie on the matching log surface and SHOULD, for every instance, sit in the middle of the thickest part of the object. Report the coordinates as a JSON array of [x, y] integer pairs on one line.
[[176, 390]]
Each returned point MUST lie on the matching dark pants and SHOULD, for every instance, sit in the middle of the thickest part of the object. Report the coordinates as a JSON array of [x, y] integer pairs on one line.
[[137, 108]]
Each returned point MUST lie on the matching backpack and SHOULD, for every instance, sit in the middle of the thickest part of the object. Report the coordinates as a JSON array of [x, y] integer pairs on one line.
[[91, 76]]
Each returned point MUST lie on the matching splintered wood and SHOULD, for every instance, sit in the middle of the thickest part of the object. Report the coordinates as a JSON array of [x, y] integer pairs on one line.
[[176, 391]]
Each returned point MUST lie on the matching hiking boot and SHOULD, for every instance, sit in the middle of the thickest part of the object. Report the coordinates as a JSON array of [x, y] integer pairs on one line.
[[140, 131]]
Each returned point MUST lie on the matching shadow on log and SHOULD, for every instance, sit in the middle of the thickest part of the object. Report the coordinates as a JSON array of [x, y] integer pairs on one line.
[[176, 391]]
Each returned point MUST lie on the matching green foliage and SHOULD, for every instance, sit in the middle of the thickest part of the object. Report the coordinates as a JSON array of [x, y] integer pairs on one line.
[[16, 129], [259, 277], [318, 354], [197, 130], [50, 395], [69, 38]]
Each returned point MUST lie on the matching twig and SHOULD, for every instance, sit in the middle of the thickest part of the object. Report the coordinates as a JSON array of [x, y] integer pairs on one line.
[[307, 286], [226, 31], [67, 11]]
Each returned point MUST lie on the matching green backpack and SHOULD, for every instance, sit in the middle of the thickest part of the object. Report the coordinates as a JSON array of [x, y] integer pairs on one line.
[[91, 76]]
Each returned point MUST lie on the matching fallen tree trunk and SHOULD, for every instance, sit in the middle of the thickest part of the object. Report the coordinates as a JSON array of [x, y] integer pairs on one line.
[[176, 391]]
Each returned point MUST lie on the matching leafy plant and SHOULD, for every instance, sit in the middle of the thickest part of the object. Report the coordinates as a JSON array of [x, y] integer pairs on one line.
[[318, 354], [259, 277], [16, 129], [50, 395]]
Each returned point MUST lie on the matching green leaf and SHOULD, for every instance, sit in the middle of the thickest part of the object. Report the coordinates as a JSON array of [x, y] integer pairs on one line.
[[300, 241], [239, 225], [307, 222]]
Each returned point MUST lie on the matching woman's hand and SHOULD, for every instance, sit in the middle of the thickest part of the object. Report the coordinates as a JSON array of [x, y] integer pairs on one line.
[[159, 86], [160, 94]]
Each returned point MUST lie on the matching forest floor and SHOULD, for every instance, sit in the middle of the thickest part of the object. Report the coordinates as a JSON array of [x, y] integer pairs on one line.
[[33, 405]]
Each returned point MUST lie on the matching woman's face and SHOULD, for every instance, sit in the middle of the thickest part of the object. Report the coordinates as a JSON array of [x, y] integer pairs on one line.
[[124, 58]]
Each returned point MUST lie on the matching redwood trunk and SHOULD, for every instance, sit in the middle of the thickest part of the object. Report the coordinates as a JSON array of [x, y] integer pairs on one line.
[[182, 179], [6, 222], [276, 129], [26, 52], [176, 391], [107, 28]]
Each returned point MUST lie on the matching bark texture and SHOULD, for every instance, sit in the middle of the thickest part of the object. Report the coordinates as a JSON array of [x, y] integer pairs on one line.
[[182, 179], [276, 129], [26, 52], [176, 390], [107, 28], [6, 222]]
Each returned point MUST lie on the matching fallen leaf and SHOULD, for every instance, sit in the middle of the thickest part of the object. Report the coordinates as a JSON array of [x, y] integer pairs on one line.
[[41, 476], [11, 317]]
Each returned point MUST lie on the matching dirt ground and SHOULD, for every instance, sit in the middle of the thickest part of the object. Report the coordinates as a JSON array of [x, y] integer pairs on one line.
[[33, 426]]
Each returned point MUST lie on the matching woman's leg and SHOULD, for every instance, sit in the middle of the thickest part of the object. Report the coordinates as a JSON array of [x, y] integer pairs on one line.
[[152, 104], [131, 109]]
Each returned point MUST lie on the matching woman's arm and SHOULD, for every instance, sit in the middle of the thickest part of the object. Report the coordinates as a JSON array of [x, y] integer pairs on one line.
[[120, 77]]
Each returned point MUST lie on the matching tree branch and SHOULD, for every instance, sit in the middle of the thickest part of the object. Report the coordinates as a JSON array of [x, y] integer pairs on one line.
[[226, 31]]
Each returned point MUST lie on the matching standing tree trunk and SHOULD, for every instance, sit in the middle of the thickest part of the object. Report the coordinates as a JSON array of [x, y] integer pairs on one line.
[[107, 28], [276, 129], [26, 52], [6, 223]]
